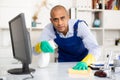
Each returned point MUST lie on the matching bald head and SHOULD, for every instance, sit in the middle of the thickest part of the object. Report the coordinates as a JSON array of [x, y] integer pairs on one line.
[[59, 18], [57, 8]]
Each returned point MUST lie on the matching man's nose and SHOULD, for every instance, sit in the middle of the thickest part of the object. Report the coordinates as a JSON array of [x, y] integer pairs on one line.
[[59, 22]]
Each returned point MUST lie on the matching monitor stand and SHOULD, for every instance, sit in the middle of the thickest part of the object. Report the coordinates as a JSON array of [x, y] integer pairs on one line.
[[24, 70]]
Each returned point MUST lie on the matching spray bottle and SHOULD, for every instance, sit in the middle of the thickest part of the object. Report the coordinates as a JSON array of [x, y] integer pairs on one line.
[[44, 58]]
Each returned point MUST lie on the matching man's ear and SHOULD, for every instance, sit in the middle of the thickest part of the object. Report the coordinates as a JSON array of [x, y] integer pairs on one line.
[[51, 20]]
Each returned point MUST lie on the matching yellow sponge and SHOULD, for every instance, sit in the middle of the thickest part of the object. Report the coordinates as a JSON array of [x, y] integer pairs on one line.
[[83, 72]]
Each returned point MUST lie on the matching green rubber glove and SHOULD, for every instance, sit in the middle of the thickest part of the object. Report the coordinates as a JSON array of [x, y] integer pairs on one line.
[[46, 47], [80, 66]]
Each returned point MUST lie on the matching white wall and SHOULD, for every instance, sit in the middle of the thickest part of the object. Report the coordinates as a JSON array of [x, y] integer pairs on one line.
[[10, 8]]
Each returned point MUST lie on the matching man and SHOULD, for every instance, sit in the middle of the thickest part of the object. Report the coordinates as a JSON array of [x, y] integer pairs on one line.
[[74, 40]]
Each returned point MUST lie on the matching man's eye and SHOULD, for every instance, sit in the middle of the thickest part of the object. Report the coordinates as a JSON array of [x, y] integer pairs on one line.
[[62, 18], [55, 19]]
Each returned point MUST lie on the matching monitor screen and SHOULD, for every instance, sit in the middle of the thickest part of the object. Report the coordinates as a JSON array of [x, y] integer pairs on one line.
[[21, 44]]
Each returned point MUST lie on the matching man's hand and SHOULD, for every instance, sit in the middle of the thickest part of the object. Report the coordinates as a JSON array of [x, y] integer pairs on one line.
[[46, 47], [37, 48], [80, 66], [89, 59]]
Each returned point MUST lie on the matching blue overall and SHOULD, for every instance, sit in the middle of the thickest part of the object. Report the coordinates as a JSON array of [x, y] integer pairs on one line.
[[70, 49]]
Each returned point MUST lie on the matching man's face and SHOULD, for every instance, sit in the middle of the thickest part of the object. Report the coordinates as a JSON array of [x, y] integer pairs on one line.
[[60, 20]]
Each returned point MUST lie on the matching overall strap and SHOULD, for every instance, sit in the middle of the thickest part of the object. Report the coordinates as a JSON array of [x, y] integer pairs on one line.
[[76, 26]]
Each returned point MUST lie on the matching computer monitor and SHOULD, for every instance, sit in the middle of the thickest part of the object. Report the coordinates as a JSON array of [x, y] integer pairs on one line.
[[21, 44]]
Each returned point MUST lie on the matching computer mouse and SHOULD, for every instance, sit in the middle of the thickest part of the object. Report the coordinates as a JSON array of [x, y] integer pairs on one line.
[[100, 73]]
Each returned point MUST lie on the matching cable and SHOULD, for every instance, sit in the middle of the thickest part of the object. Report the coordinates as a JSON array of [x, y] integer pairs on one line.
[[30, 77]]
